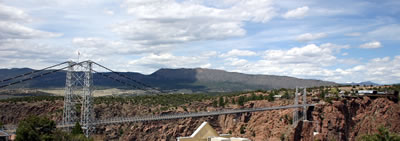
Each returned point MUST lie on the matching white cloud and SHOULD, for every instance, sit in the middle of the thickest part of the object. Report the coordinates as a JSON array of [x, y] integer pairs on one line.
[[382, 70], [18, 42], [236, 61], [10, 30], [25, 53], [93, 47], [8, 13], [237, 52], [152, 62], [310, 54], [169, 21], [386, 32], [306, 37], [334, 47], [304, 62], [371, 45], [11, 25], [297, 13]]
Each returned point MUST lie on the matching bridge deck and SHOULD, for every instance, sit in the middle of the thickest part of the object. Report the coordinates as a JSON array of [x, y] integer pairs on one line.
[[183, 115]]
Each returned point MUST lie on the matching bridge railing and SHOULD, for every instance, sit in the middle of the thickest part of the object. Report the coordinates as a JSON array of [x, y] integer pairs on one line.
[[118, 120]]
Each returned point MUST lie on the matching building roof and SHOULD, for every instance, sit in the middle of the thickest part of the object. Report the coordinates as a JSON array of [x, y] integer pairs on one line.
[[205, 132]]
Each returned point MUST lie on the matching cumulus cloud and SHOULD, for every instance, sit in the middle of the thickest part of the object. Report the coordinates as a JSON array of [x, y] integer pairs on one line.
[[384, 70], [297, 13], [18, 47], [309, 54], [371, 45], [169, 21], [95, 47], [305, 62], [306, 37], [335, 47], [237, 52], [10, 30], [316, 62], [11, 13], [11, 25], [25, 53]]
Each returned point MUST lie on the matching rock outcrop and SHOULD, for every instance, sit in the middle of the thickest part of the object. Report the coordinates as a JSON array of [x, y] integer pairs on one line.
[[348, 119]]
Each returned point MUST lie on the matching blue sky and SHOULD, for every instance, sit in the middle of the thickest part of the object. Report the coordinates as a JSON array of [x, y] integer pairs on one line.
[[341, 41]]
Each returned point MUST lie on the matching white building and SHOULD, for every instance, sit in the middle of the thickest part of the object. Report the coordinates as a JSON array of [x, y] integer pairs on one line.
[[206, 133]]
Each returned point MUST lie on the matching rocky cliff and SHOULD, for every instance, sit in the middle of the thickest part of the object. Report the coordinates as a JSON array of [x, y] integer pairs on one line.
[[340, 120]]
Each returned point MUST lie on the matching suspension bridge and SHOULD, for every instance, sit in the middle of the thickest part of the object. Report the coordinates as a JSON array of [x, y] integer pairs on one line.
[[79, 90]]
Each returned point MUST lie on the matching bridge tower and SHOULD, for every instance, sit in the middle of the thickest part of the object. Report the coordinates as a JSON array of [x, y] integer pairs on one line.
[[78, 96], [296, 113]]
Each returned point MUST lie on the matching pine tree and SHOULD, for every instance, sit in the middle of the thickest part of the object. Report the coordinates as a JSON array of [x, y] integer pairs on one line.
[[77, 129]]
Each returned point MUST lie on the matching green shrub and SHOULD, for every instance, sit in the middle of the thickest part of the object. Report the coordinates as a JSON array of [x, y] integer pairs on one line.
[[382, 135]]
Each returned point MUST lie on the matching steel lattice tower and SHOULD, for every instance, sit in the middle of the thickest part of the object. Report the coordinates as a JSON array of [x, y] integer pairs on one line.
[[296, 113], [296, 102], [78, 93], [304, 103]]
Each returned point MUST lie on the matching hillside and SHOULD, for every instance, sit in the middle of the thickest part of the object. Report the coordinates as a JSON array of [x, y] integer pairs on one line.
[[195, 80]]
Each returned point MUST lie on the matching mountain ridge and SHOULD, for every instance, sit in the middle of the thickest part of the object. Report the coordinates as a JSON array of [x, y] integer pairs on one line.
[[363, 83], [192, 79]]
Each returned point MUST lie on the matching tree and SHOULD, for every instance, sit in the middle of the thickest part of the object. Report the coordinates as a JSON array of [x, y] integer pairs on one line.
[[241, 100], [382, 135], [253, 96], [233, 101], [286, 95], [270, 97], [35, 128], [221, 102], [77, 129]]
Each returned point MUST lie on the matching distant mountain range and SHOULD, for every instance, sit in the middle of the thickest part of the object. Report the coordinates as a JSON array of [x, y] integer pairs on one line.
[[362, 83], [188, 80]]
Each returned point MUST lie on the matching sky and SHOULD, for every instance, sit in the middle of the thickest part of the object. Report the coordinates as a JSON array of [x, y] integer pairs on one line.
[[340, 41]]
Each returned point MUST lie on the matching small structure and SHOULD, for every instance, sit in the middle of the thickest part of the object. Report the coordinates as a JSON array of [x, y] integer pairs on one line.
[[4, 136], [365, 92], [278, 96], [206, 133]]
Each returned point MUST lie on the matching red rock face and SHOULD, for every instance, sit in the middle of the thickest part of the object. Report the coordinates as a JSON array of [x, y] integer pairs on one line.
[[347, 119], [340, 120]]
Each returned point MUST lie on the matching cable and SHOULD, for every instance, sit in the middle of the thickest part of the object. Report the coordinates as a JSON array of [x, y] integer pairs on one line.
[[41, 75], [25, 74], [119, 81], [124, 76]]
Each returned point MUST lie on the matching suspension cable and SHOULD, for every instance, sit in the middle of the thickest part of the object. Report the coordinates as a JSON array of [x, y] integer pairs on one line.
[[41, 75], [124, 76], [119, 81], [29, 73]]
